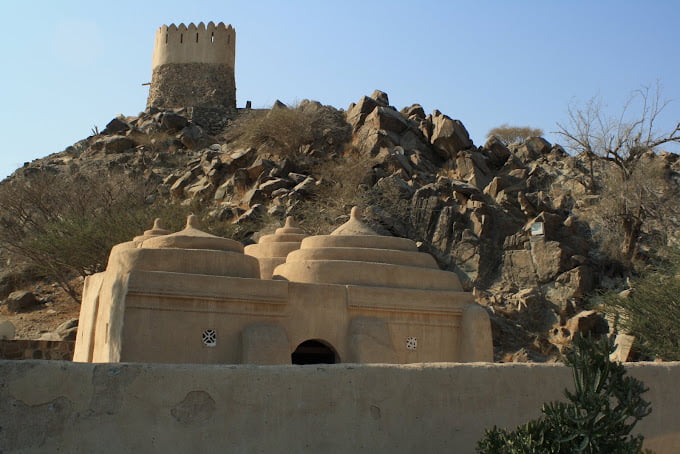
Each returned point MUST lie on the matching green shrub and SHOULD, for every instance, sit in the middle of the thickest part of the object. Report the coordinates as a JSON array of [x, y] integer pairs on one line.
[[651, 312], [598, 418], [514, 134]]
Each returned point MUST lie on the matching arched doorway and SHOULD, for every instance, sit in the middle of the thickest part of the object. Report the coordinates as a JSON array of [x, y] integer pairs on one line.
[[314, 352]]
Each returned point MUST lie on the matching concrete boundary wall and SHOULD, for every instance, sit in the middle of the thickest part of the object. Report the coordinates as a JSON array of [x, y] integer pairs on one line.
[[54, 406]]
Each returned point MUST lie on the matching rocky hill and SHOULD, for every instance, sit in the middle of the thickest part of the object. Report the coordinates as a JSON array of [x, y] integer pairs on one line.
[[517, 223]]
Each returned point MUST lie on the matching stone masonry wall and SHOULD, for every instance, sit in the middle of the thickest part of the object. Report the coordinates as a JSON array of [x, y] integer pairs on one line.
[[36, 349], [193, 85]]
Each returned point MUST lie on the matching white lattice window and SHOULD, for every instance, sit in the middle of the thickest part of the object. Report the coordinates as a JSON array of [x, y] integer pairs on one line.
[[411, 343], [209, 337]]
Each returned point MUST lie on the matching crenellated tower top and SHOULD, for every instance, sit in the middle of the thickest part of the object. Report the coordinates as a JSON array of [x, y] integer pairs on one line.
[[195, 44]]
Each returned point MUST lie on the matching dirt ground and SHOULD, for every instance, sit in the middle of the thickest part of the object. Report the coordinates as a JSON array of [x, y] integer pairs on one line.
[[55, 307]]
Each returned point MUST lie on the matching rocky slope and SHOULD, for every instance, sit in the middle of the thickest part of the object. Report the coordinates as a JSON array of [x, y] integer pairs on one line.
[[419, 175]]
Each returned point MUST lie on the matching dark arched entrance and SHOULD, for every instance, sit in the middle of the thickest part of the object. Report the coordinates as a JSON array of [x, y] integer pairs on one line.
[[314, 352]]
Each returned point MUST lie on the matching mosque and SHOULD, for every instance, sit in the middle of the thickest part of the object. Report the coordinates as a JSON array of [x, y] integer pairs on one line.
[[352, 296]]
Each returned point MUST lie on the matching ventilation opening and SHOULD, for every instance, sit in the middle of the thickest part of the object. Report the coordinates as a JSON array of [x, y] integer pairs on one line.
[[314, 352]]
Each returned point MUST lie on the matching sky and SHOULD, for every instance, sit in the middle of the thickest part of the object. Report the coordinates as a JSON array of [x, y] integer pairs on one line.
[[72, 65]]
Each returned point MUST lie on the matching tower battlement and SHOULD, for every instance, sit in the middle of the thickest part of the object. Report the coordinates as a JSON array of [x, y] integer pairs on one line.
[[194, 44], [193, 66]]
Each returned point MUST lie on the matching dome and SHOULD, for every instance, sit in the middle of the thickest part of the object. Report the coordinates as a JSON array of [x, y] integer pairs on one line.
[[192, 238], [189, 251], [354, 254], [271, 250], [156, 230]]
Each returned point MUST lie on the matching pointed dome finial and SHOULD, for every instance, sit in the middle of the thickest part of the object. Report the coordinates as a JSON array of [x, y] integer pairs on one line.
[[156, 230], [355, 213], [354, 226], [192, 222]]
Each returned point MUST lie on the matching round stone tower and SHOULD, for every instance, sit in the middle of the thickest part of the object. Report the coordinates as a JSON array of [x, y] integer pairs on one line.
[[193, 66]]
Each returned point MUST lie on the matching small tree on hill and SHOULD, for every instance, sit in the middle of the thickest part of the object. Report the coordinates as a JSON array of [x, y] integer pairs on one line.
[[514, 134], [632, 193]]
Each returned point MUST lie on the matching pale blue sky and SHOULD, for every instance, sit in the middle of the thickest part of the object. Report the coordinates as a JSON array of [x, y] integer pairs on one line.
[[71, 65]]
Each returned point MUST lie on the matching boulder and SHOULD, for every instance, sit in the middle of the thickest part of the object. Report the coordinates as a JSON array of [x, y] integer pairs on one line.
[[472, 168], [549, 258], [380, 97], [387, 119], [449, 136], [269, 186], [254, 197], [305, 186], [201, 189], [518, 268], [578, 281], [7, 330], [393, 159], [177, 188], [357, 113], [171, 121], [239, 158], [495, 186], [415, 112], [532, 149], [113, 144], [252, 215], [67, 331], [193, 137], [50, 336], [297, 177], [20, 301], [259, 167], [116, 126], [498, 152], [586, 323], [370, 141], [624, 346]]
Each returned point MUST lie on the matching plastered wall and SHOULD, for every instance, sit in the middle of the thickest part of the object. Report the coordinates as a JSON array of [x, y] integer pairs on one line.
[[51, 406], [214, 44]]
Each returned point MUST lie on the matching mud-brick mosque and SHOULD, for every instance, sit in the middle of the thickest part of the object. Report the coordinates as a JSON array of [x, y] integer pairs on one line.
[[351, 296]]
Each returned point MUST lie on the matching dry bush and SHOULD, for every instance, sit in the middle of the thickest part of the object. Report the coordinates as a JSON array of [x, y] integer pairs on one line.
[[343, 182], [632, 206], [285, 131]]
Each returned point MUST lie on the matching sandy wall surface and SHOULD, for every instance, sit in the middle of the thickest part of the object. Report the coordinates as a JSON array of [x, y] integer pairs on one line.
[[58, 406]]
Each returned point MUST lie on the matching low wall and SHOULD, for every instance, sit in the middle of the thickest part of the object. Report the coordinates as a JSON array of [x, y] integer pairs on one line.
[[53, 406], [36, 349]]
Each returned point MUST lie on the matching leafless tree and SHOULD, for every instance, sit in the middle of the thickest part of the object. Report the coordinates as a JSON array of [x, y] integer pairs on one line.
[[621, 139], [633, 193]]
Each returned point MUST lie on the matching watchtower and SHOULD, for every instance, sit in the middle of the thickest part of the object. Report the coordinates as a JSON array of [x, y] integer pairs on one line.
[[193, 66]]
